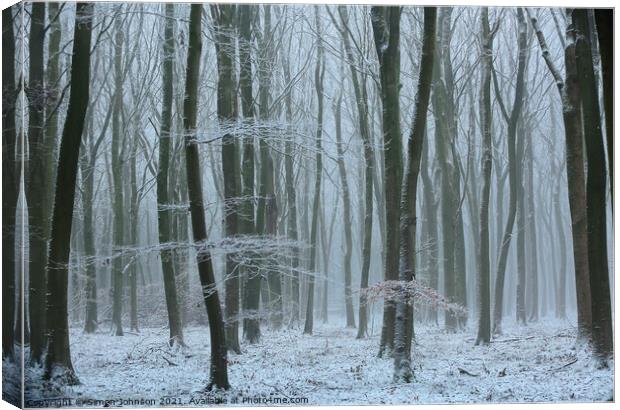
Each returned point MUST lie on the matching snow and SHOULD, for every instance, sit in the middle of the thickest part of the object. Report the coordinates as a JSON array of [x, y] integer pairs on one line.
[[538, 363]]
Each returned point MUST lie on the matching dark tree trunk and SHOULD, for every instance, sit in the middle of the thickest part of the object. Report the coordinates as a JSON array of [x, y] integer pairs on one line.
[[319, 75], [386, 32], [117, 176], [605, 31], [484, 269], [58, 360], [602, 334], [38, 180], [10, 184], [226, 94], [251, 324], [164, 219], [402, 342], [571, 111], [218, 377]]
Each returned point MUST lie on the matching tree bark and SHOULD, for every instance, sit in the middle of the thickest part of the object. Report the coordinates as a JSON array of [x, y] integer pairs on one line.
[[319, 74], [605, 30], [225, 52], [10, 184], [38, 208], [484, 303], [218, 377], [346, 203], [512, 120], [596, 181], [402, 342], [58, 360], [359, 89], [117, 177], [163, 196], [386, 32], [251, 324]]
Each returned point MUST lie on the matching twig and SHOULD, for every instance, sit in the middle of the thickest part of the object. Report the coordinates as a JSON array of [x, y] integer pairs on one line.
[[463, 371]]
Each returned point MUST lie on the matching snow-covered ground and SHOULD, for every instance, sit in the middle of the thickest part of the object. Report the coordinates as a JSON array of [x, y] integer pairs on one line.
[[539, 363]]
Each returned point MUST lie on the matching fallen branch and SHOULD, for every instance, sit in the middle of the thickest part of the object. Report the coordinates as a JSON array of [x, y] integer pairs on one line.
[[463, 371], [566, 365], [170, 363]]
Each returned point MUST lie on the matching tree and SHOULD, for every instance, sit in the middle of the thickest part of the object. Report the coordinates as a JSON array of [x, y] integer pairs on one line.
[[604, 30], [402, 342], [218, 377], [359, 89], [512, 120], [10, 183], [347, 213], [225, 52], [570, 94], [58, 360], [386, 33], [38, 216], [484, 304], [596, 180], [319, 75], [117, 177], [163, 197]]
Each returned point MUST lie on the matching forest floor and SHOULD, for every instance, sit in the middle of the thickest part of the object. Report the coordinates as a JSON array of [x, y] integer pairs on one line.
[[537, 363]]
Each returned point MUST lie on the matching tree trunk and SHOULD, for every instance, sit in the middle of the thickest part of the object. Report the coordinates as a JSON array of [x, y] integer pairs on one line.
[[223, 24], [602, 334], [38, 180], [58, 364], [319, 74], [164, 219], [571, 113], [291, 198], [117, 177], [512, 120], [218, 377], [402, 342], [605, 31], [346, 203], [10, 184], [484, 305], [251, 324], [359, 88], [386, 32]]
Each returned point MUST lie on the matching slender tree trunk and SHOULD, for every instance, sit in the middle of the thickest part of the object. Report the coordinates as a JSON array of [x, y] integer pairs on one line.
[[58, 360], [291, 198], [164, 219], [251, 324], [346, 203], [225, 52], [117, 177], [402, 342], [218, 377], [484, 269], [361, 99], [319, 74], [512, 120], [386, 32], [532, 288], [521, 221]]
